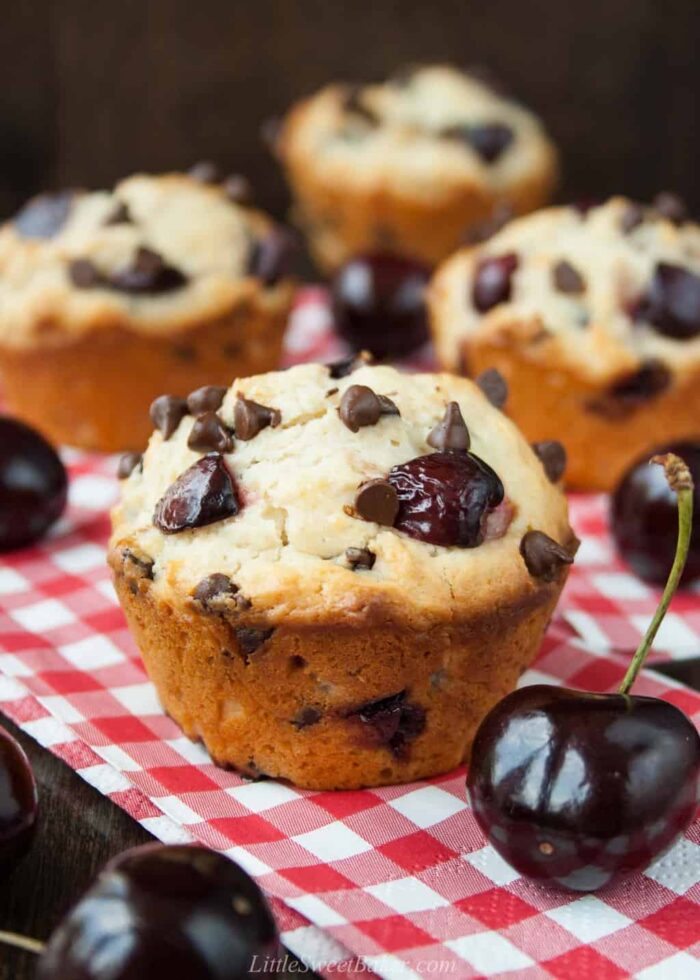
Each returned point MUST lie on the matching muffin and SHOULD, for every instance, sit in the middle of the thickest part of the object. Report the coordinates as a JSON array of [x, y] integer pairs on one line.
[[593, 317], [109, 298], [326, 583], [411, 165]]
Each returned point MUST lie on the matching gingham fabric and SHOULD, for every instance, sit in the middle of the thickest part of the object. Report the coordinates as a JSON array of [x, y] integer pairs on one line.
[[398, 881]]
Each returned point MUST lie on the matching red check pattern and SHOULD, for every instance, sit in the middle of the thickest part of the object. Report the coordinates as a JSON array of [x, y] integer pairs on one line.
[[398, 881]]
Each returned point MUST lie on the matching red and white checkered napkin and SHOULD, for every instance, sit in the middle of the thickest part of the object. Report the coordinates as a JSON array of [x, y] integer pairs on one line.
[[398, 881]]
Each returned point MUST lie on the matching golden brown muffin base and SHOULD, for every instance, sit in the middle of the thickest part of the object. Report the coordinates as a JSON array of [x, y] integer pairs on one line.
[[94, 392], [554, 402], [244, 706], [341, 221]]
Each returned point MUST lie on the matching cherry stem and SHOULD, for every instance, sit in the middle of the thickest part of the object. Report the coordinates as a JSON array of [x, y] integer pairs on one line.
[[22, 942], [681, 482]]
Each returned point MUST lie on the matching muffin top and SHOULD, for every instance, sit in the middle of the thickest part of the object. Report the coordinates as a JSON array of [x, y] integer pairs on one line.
[[349, 492], [609, 290], [427, 131], [157, 254]]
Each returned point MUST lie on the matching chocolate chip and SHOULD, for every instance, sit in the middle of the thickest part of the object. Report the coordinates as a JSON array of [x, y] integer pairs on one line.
[[237, 189], [341, 369], [205, 171], [360, 558], [488, 140], [44, 215], [214, 586], [250, 418], [543, 556], [670, 206], [127, 464], [483, 230], [567, 279], [137, 567], [672, 303], [205, 399], [147, 273], [203, 494], [354, 105], [250, 639], [360, 407], [84, 274], [552, 455], [493, 281], [270, 256], [120, 215], [377, 501], [632, 217], [306, 717], [452, 432], [390, 721], [494, 386], [629, 392], [166, 412], [209, 434]]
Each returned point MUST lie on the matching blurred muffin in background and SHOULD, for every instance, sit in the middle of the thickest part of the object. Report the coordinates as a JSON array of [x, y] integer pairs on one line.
[[410, 166], [592, 315], [110, 298]]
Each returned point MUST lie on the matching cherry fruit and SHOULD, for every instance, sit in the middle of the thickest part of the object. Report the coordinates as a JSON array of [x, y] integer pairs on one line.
[[379, 304], [18, 801], [184, 912], [643, 519], [33, 485], [573, 787]]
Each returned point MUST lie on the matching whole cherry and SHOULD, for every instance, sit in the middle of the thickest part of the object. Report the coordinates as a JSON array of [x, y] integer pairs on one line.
[[575, 788], [18, 801], [379, 304]]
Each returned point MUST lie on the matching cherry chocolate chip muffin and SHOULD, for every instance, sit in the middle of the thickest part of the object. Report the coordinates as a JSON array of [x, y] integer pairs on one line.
[[333, 572], [109, 298], [593, 317], [411, 165]]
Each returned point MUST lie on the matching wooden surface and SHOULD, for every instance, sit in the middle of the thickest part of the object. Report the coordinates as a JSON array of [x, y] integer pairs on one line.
[[92, 91]]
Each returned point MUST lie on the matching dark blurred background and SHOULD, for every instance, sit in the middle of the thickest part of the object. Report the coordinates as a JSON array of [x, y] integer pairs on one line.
[[92, 91]]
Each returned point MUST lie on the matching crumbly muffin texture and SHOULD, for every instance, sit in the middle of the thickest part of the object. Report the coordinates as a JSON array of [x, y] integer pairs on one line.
[[609, 290], [158, 253], [290, 546]]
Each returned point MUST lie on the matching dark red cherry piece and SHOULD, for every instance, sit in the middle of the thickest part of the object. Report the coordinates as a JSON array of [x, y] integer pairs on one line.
[[186, 913], [18, 801], [672, 302], [493, 281], [575, 788], [445, 498], [379, 305], [33, 485], [203, 494], [644, 522]]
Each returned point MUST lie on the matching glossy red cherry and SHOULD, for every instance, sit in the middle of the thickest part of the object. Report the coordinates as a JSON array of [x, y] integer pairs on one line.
[[644, 523], [33, 485], [185, 913], [379, 305], [18, 801], [575, 788]]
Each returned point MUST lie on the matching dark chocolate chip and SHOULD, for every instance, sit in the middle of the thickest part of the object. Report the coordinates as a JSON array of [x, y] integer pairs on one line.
[[585, 204], [552, 455], [270, 257], [567, 279], [670, 206], [483, 230], [494, 386], [214, 586], [166, 412], [493, 281], [205, 171], [543, 556], [251, 639], [250, 418], [632, 217], [355, 106], [140, 566], [672, 303], [205, 399], [148, 273], [390, 721], [341, 369], [203, 494], [488, 140], [84, 274], [237, 189], [306, 717], [209, 434], [629, 392], [44, 215], [451, 432], [360, 407], [360, 558], [331, 392], [377, 501], [128, 462], [120, 215]]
